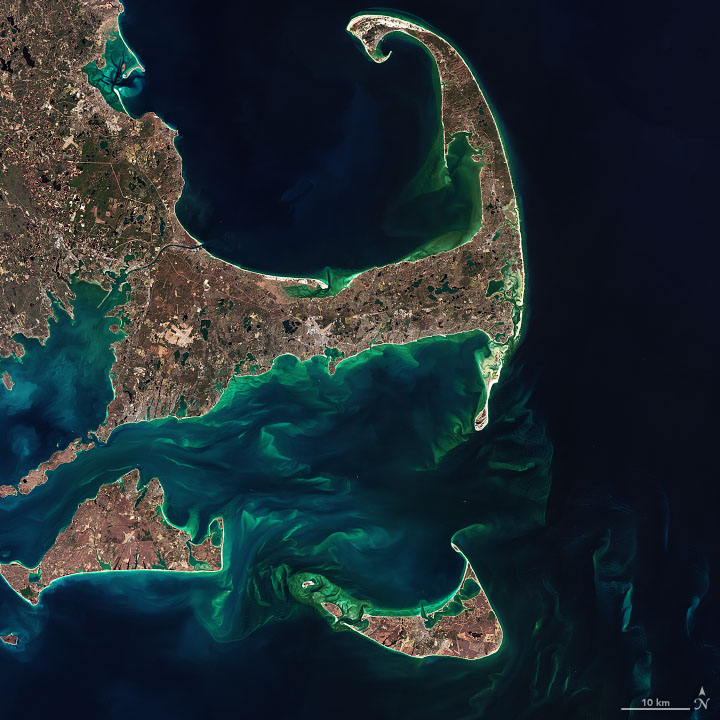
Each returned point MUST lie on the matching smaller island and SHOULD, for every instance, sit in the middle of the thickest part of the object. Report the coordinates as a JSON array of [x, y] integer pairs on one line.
[[38, 476], [123, 528], [11, 639], [464, 626]]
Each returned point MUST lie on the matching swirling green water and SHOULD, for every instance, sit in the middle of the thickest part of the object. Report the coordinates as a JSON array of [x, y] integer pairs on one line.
[[441, 207], [433, 204], [345, 475]]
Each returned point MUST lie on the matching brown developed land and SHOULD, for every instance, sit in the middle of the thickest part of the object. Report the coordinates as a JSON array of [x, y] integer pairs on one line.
[[465, 627], [121, 529], [60, 457], [193, 321], [39, 476], [473, 633], [87, 192], [10, 639]]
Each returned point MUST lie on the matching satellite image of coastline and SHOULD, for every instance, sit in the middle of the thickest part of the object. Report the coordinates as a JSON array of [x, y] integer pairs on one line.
[[305, 320]]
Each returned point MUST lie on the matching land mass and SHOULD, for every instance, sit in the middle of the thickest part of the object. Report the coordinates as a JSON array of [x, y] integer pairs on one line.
[[123, 528], [465, 626], [39, 476], [87, 193]]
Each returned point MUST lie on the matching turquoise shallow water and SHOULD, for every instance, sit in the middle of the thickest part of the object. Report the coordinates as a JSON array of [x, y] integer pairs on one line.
[[63, 387], [607, 601], [314, 160], [365, 476], [330, 471]]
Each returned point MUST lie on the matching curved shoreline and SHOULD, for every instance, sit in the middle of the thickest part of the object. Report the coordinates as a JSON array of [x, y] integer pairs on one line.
[[140, 489], [471, 631], [268, 292], [433, 317], [379, 26], [364, 27], [348, 276]]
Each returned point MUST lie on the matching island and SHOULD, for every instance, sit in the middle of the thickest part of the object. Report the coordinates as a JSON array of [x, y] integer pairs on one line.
[[123, 528], [88, 194], [464, 626], [39, 475]]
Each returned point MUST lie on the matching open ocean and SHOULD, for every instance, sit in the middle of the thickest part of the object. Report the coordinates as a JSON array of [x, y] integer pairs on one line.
[[587, 506]]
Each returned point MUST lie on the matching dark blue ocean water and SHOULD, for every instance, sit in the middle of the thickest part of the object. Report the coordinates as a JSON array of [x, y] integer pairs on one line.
[[299, 152], [607, 116]]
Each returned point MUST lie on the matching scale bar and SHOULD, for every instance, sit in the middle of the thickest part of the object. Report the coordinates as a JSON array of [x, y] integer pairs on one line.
[[687, 709]]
